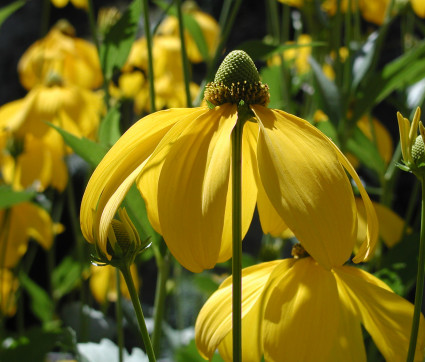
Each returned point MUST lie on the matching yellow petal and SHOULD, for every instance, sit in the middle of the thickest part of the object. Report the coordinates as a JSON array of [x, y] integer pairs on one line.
[[131, 150], [307, 185], [249, 190], [8, 291], [301, 317], [214, 321], [386, 316], [390, 224], [192, 171], [368, 245]]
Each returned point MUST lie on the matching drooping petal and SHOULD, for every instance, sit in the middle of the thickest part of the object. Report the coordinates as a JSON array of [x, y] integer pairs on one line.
[[131, 150], [372, 227], [307, 185], [192, 177], [386, 316], [214, 321], [249, 190], [301, 318]]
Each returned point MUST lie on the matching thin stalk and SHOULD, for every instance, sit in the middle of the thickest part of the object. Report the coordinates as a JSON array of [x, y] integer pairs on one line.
[[118, 315], [125, 270], [159, 305], [185, 62], [150, 56], [420, 278], [237, 241], [45, 17]]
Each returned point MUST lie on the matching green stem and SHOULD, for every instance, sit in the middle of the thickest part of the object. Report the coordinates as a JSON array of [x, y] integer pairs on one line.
[[160, 293], [150, 56], [45, 17], [125, 270], [419, 281], [237, 241], [185, 62], [118, 314]]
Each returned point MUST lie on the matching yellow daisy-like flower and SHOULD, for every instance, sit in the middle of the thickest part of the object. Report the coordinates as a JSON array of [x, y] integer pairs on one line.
[[38, 166], [74, 59], [208, 25], [77, 110], [418, 7], [18, 225], [168, 74], [82, 4], [293, 303], [181, 162]]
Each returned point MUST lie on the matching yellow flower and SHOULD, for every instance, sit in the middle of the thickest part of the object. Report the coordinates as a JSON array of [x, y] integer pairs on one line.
[[207, 24], [168, 74], [77, 110], [38, 166], [296, 310], [74, 60], [103, 283], [82, 4], [295, 3], [8, 287], [418, 7], [180, 160], [18, 225], [372, 11]]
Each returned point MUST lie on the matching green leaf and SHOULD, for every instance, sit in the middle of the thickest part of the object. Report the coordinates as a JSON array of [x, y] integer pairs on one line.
[[328, 93], [35, 344], [190, 353], [109, 131], [90, 151], [8, 10], [272, 76], [400, 73], [41, 304], [198, 36], [259, 50], [119, 39], [65, 277], [365, 150], [9, 197], [329, 130], [363, 59]]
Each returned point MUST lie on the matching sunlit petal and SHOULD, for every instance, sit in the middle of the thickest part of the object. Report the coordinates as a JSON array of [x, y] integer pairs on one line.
[[301, 318], [386, 316], [192, 187], [307, 185], [214, 321], [131, 150]]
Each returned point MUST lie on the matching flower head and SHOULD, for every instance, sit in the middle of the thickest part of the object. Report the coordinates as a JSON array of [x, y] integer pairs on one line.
[[293, 303], [180, 160]]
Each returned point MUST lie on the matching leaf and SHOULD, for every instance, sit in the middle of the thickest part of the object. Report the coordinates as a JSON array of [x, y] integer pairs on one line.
[[329, 130], [8, 10], [119, 39], [259, 50], [41, 304], [363, 59], [35, 344], [400, 73], [90, 151], [109, 131], [272, 76], [9, 197], [189, 353], [328, 93], [365, 150], [65, 277], [198, 36]]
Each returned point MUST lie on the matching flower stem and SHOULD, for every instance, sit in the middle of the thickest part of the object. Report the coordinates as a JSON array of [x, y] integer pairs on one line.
[[160, 293], [150, 56], [419, 281], [125, 270], [237, 241], [118, 315], [184, 54]]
